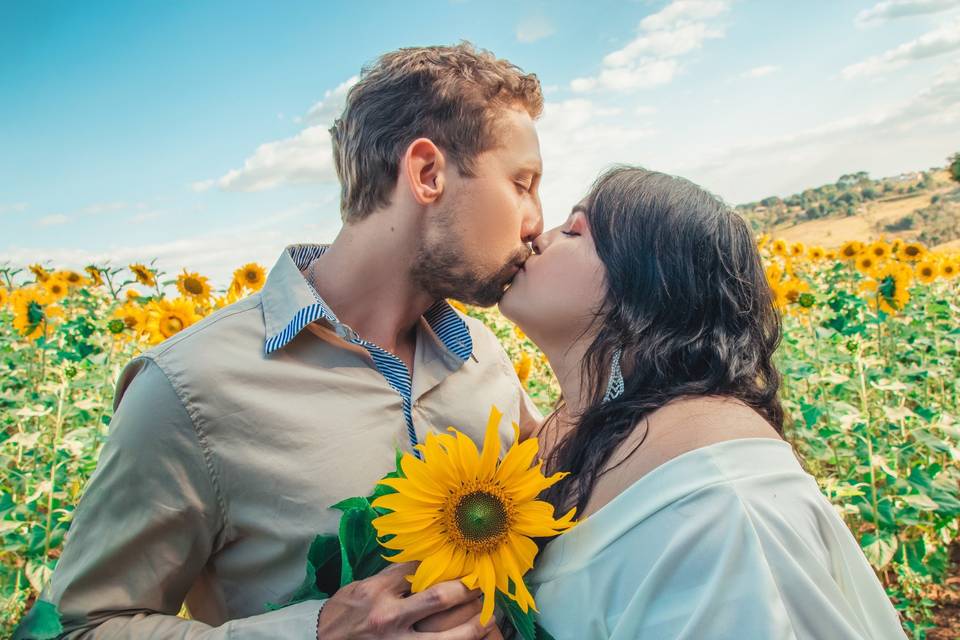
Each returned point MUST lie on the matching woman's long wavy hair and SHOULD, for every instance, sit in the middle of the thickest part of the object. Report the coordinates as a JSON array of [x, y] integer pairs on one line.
[[686, 299]]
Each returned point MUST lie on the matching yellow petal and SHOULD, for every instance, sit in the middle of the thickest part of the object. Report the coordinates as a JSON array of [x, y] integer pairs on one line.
[[491, 445], [421, 492], [430, 570], [487, 580]]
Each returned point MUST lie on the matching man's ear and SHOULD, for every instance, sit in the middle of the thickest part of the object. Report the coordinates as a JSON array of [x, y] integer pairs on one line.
[[424, 167]]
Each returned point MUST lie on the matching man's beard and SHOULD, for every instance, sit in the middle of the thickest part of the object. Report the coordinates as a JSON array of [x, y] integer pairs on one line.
[[440, 270]]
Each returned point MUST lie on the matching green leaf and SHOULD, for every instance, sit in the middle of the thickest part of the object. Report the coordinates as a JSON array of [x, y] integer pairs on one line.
[[360, 550], [42, 623], [324, 552], [524, 623], [879, 549]]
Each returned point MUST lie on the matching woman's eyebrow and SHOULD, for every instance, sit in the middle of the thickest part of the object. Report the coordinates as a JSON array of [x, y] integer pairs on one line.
[[579, 208]]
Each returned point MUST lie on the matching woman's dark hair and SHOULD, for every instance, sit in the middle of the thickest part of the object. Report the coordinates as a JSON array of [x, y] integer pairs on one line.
[[688, 301]]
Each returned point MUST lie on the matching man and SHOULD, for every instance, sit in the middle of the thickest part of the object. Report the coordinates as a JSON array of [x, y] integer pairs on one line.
[[230, 440]]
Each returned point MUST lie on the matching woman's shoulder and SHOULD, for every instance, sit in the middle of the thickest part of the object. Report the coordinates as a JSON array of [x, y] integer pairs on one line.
[[678, 428]]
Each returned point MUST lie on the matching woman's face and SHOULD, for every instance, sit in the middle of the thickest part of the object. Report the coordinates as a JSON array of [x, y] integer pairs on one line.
[[553, 298]]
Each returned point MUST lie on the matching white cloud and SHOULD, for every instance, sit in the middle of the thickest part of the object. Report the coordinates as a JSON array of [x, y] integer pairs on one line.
[[759, 72], [13, 207], [306, 157], [683, 11], [651, 58], [578, 138], [53, 220], [891, 9], [534, 28], [920, 127], [215, 254], [933, 43]]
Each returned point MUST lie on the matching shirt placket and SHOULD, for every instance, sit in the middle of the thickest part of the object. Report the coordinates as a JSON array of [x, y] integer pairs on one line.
[[392, 368]]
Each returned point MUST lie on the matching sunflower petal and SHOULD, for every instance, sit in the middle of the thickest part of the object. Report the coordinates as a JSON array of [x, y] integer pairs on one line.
[[491, 445]]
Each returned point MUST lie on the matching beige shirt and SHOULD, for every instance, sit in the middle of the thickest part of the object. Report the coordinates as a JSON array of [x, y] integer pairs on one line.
[[226, 450]]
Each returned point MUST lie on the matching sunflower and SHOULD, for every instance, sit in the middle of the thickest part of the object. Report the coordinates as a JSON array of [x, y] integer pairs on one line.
[[72, 278], [4, 297], [850, 249], [32, 311], [143, 275], [763, 240], [830, 254], [815, 253], [948, 269], [250, 276], [193, 285], [168, 317], [879, 249], [780, 248], [913, 251], [790, 293], [96, 278], [133, 316], [56, 287], [926, 271], [797, 249], [465, 517], [39, 273], [520, 334], [866, 264], [890, 288], [456, 304], [523, 366], [132, 294]]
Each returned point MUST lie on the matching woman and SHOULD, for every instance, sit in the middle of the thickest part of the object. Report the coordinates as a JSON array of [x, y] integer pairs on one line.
[[697, 521]]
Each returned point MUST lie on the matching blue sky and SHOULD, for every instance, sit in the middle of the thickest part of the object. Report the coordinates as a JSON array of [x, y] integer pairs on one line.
[[194, 132]]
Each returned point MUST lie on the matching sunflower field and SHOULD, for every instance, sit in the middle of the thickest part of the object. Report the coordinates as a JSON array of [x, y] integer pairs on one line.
[[869, 360]]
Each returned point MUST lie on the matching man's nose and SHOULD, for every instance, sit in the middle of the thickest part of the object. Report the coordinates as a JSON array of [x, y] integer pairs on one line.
[[532, 222]]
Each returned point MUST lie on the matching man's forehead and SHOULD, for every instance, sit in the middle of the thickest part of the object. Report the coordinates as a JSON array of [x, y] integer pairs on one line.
[[519, 140]]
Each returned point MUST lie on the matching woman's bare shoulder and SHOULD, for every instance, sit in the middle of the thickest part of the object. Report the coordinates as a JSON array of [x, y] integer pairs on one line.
[[681, 426]]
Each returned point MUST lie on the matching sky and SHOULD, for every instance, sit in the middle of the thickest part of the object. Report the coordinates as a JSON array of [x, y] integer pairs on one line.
[[195, 133]]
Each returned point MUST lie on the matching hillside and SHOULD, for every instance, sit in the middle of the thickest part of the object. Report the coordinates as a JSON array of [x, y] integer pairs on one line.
[[923, 206]]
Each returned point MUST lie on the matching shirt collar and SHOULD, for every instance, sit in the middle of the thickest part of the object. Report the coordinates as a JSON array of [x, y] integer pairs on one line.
[[290, 303]]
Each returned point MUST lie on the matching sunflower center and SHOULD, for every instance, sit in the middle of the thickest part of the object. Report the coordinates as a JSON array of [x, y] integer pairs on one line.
[[480, 516], [252, 276], [193, 285], [174, 325]]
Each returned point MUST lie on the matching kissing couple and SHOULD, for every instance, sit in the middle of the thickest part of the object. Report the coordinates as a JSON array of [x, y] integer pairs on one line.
[[230, 440]]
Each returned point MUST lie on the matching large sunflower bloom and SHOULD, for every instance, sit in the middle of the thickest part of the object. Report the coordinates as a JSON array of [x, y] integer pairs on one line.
[[250, 276], [168, 317], [193, 285], [465, 517], [850, 249], [56, 287], [780, 248], [143, 275], [926, 271], [913, 251], [948, 269]]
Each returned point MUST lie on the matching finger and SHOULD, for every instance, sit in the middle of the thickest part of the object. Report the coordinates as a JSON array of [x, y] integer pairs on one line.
[[394, 577], [439, 597], [450, 618], [470, 630]]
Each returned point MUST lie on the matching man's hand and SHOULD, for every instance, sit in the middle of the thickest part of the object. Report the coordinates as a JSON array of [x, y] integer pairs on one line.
[[450, 618], [380, 608]]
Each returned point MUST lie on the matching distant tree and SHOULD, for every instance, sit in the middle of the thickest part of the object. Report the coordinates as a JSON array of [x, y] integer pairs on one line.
[[869, 193], [954, 161]]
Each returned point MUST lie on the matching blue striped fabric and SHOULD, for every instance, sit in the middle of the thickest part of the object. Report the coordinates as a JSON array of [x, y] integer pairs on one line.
[[449, 327]]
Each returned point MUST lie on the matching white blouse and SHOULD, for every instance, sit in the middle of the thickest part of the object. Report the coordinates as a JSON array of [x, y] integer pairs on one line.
[[732, 540]]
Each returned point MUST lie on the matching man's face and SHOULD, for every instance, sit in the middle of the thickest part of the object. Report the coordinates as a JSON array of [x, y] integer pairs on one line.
[[477, 235]]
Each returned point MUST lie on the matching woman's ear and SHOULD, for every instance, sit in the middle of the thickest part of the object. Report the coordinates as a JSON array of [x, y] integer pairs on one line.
[[424, 166]]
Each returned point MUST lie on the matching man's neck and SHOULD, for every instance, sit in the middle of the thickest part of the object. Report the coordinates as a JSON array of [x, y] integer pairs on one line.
[[364, 278]]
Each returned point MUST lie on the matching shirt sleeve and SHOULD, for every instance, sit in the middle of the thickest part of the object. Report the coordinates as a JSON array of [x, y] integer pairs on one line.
[[147, 523]]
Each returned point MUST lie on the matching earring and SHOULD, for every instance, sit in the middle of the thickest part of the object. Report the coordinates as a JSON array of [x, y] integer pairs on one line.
[[615, 382]]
